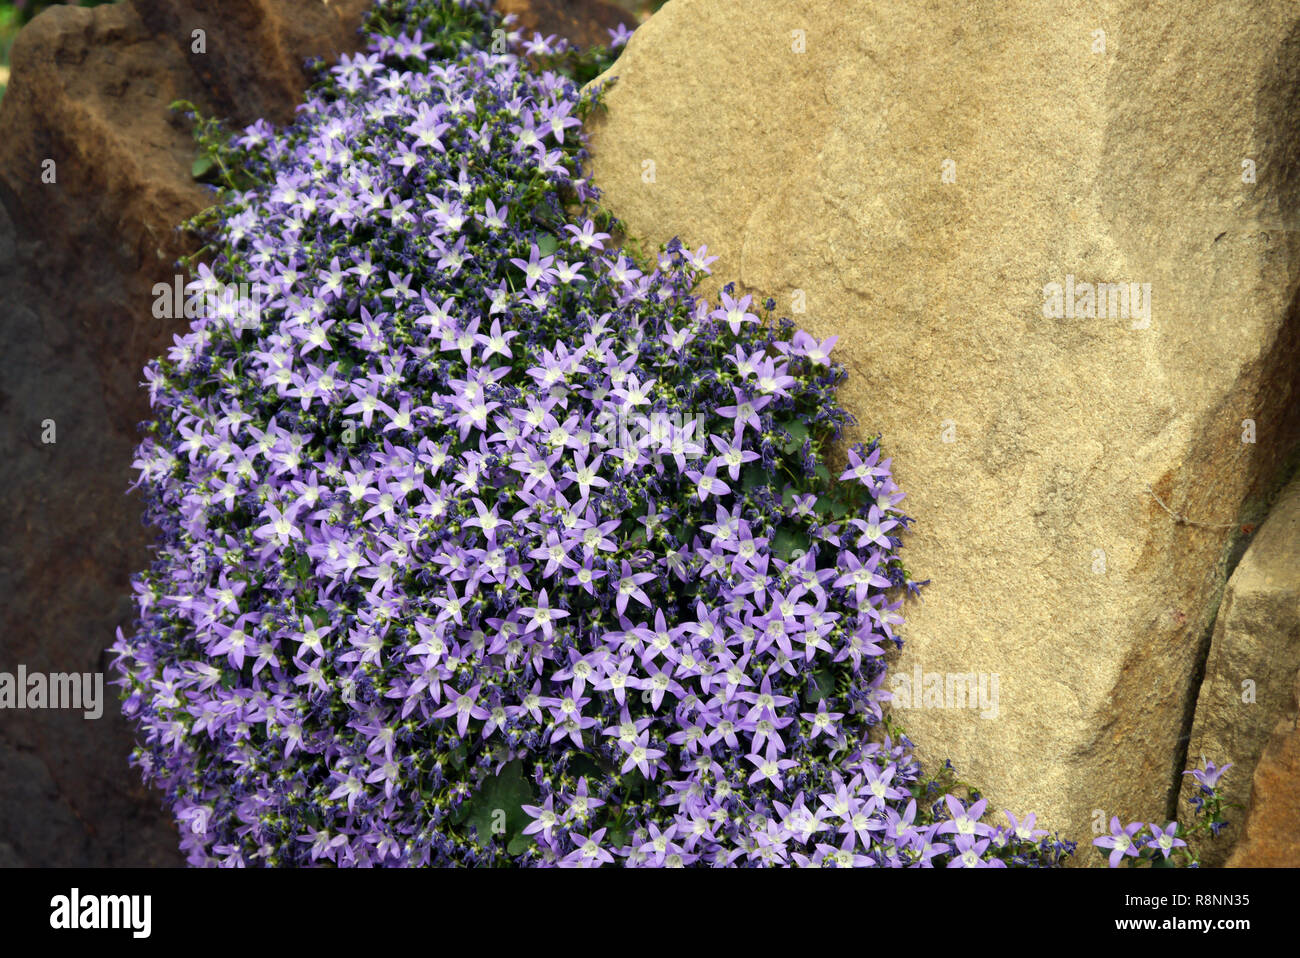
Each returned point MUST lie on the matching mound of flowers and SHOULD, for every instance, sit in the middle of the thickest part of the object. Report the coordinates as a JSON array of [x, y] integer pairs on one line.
[[483, 541]]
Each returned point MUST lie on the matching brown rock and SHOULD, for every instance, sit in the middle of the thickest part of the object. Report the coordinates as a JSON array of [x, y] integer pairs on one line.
[[917, 175], [582, 22], [89, 92], [1270, 837], [78, 258]]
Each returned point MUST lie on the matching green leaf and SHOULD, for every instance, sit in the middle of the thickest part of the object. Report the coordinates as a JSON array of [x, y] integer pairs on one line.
[[202, 167], [548, 244], [787, 541], [753, 477], [834, 506], [825, 681], [520, 844], [583, 766], [798, 434], [495, 807]]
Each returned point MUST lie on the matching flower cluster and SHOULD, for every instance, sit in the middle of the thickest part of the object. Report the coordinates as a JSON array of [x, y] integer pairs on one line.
[[483, 541], [1128, 844]]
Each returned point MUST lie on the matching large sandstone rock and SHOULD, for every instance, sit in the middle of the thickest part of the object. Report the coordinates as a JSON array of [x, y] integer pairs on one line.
[[78, 259], [1032, 447], [1270, 837], [1253, 665]]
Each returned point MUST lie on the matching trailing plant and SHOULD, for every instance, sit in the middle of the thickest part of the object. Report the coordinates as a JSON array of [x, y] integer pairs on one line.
[[1165, 846], [483, 543]]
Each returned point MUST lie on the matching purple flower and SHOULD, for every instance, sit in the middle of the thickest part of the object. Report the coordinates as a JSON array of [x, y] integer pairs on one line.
[[640, 755], [769, 766], [1120, 841], [965, 821], [1164, 840], [1208, 777], [1023, 829], [745, 411], [970, 853], [464, 707], [537, 268], [629, 586], [707, 482], [734, 312], [542, 616]]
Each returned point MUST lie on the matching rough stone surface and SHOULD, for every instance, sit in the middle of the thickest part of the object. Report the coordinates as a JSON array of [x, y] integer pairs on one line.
[[1270, 837], [78, 258], [584, 22], [1253, 663], [821, 175], [68, 537]]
